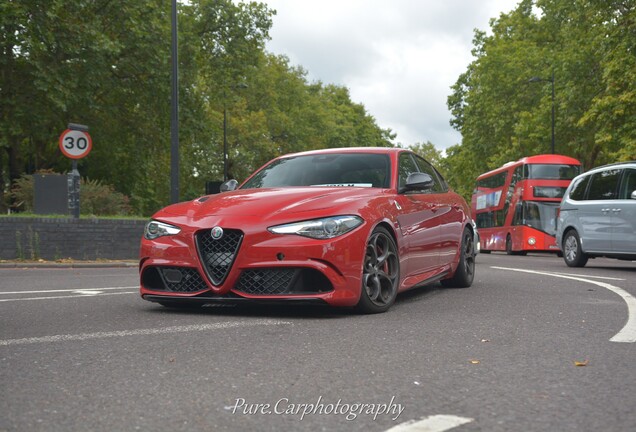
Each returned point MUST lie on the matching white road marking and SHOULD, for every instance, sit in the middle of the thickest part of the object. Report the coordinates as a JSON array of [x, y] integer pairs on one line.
[[589, 276], [67, 290], [66, 296], [435, 423], [628, 332], [88, 292], [144, 332]]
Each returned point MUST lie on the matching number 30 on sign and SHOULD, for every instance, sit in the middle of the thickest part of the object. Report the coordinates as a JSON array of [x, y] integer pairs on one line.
[[75, 144]]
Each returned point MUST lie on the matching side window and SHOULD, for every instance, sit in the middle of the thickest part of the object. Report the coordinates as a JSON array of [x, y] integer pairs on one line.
[[628, 184], [604, 185], [578, 190], [517, 175], [406, 167], [438, 185]]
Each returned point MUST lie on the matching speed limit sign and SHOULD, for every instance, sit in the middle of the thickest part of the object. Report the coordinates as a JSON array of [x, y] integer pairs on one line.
[[75, 144]]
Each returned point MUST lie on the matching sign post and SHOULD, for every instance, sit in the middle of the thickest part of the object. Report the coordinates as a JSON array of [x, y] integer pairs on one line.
[[75, 143]]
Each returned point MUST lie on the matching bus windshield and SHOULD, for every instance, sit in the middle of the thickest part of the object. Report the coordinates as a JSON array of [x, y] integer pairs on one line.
[[552, 171], [539, 215]]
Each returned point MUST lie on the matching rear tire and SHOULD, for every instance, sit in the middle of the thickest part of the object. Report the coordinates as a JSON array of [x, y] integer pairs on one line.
[[572, 253], [465, 272]]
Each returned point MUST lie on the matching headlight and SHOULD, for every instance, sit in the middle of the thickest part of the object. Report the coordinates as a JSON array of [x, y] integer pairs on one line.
[[156, 229], [325, 228]]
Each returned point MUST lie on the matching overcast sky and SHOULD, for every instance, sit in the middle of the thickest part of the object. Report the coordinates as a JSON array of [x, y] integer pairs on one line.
[[397, 57]]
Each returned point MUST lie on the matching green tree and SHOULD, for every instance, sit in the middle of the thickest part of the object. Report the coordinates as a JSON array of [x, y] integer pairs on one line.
[[429, 152], [588, 46], [107, 64]]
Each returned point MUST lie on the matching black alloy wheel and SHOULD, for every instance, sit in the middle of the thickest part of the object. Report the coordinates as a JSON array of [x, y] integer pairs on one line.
[[465, 272], [380, 273]]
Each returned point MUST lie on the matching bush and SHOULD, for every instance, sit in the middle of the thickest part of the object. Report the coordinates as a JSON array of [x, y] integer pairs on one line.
[[22, 193], [102, 200], [96, 198]]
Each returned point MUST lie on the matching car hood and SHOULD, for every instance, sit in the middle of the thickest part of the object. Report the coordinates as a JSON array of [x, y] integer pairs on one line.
[[266, 204]]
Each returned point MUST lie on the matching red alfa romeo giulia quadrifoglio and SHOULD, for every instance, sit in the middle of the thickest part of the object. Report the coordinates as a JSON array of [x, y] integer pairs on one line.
[[343, 227]]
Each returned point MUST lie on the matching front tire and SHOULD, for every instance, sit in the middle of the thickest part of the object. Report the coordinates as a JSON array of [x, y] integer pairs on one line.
[[572, 253], [465, 272], [509, 250], [380, 273]]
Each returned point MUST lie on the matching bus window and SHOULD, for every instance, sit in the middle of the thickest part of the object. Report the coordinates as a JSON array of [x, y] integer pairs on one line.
[[540, 216], [552, 171]]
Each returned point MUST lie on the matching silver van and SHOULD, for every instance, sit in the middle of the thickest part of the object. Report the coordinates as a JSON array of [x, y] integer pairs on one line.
[[597, 216]]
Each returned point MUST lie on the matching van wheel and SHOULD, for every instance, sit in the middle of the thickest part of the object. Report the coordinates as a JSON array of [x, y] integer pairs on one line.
[[572, 253]]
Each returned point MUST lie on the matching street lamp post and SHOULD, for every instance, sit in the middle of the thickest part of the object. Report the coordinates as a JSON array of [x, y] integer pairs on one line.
[[551, 80], [225, 144], [174, 114]]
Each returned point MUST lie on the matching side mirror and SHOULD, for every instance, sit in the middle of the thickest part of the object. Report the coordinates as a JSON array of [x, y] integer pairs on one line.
[[418, 181], [633, 195], [229, 185]]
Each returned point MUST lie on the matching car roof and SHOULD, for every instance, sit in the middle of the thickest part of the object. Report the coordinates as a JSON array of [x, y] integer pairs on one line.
[[630, 164]]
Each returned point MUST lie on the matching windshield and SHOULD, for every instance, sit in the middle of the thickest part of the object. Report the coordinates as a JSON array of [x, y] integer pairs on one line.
[[540, 215], [552, 171], [339, 169]]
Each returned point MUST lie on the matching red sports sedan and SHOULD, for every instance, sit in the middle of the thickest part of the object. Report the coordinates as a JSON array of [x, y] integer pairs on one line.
[[347, 227]]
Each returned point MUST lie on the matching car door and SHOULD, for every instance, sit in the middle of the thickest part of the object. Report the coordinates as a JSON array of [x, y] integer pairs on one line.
[[594, 213], [449, 214], [419, 224], [623, 214]]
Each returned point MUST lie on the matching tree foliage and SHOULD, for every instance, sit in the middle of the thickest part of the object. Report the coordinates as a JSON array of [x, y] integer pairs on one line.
[[106, 64], [589, 46]]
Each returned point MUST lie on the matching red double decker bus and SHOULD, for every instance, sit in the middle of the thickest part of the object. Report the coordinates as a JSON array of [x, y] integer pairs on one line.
[[515, 205]]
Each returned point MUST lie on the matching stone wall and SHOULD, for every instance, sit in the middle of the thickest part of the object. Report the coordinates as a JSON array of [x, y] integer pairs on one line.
[[80, 239]]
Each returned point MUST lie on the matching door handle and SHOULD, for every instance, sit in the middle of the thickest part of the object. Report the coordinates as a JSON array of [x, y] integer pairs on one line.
[[605, 210], [616, 210]]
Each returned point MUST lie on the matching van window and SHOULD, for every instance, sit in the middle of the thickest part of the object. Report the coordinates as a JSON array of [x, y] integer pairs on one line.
[[604, 185], [628, 185], [578, 190]]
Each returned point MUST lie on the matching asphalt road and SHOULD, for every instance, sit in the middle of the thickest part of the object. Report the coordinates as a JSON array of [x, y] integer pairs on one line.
[[518, 351]]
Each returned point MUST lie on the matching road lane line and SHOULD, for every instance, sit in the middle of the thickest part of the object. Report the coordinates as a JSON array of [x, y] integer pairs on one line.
[[67, 290], [144, 332], [628, 332], [67, 296], [435, 423], [590, 276]]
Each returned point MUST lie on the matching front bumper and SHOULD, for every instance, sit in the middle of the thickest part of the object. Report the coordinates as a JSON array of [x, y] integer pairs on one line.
[[264, 268]]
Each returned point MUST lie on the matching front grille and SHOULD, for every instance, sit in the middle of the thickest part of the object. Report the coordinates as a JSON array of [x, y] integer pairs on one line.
[[182, 279], [266, 281], [218, 256]]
